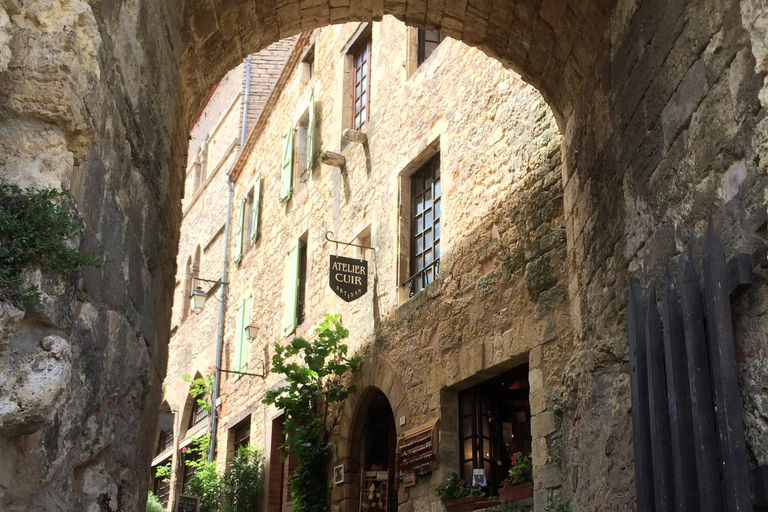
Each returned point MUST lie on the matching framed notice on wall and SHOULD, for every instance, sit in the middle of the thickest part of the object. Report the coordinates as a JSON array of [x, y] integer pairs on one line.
[[187, 503]]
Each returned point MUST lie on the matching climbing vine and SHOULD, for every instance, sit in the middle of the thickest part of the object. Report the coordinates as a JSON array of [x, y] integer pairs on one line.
[[34, 231], [314, 371], [201, 389]]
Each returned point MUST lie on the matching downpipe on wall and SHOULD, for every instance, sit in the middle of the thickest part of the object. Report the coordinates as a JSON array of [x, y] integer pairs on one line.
[[224, 286]]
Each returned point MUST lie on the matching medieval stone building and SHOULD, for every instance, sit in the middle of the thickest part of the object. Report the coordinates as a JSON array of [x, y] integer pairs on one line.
[[447, 167], [661, 109]]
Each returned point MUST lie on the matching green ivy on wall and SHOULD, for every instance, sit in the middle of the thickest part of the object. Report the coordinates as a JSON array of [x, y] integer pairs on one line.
[[34, 230]]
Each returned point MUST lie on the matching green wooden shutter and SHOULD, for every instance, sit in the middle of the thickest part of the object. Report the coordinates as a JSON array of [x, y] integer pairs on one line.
[[239, 335], [286, 176], [311, 130], [256, 205], [241, 356], [239, 230], [291, 289]]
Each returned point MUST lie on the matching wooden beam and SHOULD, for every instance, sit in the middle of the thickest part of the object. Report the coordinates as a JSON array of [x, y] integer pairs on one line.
[[661, 446], [679, 402], [702, 404], [638, 374], [722, 354]]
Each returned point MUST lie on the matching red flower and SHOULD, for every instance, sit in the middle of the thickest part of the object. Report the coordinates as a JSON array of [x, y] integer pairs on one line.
[[514, 463], [184, 450]]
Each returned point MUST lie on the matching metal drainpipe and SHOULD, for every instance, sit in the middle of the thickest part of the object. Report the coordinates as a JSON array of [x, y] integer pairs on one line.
[[220, 337], [224, 287], [245, 101]]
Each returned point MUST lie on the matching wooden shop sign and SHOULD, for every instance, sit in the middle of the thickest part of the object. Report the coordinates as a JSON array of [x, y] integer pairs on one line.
[[187, 503], [349, 277]]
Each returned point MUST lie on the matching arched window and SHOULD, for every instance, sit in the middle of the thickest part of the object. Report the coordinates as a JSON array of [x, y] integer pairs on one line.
[[198, 412], [187, 290], [196, 263]]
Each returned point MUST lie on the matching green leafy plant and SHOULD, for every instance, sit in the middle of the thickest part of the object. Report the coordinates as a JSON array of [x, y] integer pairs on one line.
[[240, 488], [154, 504], [521, 470], [455, 488], [314, 371], [201, 388], [163, 471], [34, 230], [205, 482], [243, 481]]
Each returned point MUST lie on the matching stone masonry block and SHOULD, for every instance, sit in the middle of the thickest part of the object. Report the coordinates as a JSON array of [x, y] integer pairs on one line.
[[542, 424]]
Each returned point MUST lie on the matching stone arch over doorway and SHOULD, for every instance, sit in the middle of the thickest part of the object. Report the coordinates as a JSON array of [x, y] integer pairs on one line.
[[658, 102], [371, 447]]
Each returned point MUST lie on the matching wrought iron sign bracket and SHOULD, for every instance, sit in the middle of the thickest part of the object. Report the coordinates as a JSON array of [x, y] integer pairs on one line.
[[263, 373], [337, 242]]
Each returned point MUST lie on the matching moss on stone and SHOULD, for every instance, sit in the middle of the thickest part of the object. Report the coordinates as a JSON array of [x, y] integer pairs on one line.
[[486, 285], [539, 275], [550, 298], [511, 265]]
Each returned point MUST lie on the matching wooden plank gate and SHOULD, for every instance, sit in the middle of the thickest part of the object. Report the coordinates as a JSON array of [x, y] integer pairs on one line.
[[689, 442]]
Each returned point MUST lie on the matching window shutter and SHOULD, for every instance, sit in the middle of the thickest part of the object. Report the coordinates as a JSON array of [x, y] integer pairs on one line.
[[286, 176], [256, 205], [239, 334], [291, 289], [241, 355], [239, 230], [311, 130]]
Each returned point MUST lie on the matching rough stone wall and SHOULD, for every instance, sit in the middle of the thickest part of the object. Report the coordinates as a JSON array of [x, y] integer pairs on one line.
[[99, 97], [80, 372]]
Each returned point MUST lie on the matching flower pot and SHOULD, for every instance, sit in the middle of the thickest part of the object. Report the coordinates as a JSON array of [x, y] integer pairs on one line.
[[516, 492], [466, 504]]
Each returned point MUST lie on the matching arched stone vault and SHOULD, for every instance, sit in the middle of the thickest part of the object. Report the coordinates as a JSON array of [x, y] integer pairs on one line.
[[554, 45], [658, 102]]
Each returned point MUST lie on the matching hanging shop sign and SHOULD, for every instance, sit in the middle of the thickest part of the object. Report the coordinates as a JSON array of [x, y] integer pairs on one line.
[[349, 277]]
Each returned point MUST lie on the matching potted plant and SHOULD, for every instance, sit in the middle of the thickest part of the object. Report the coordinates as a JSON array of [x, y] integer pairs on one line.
[[458, 495], [519, 484]]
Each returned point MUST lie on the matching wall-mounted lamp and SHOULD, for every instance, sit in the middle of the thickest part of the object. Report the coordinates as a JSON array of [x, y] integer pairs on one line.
[[199, 296], [198, 300], [251, 331]]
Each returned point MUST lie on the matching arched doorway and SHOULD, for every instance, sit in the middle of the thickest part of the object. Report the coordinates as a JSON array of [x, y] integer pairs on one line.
[[373, 452]]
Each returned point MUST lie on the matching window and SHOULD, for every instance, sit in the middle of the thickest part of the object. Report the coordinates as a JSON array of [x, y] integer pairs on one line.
[[428, 41], [425, 226], [308, 65], [241, 434], [300, 147], [198, 413], [164, 442], [187, 291], [286, 166], [247, 227], [161, 487], [247, 220], [295, 286], [361, 59], [189, 471], [494, 424]]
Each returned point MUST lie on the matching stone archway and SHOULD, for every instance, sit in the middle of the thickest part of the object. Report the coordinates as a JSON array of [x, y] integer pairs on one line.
[[658, 103], [372, 441]]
